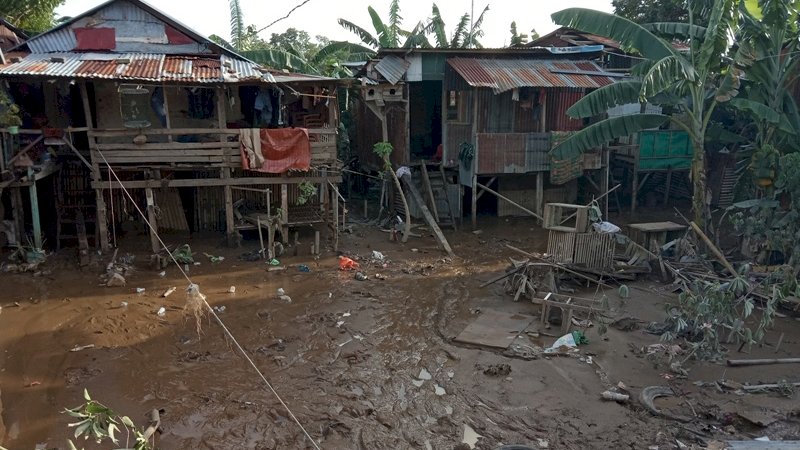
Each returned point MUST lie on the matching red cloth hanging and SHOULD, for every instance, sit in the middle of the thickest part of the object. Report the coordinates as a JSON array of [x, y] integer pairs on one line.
[[275, 150]]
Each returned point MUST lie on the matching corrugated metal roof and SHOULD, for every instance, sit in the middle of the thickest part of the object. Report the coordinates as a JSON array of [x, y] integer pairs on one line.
[[505, 74], [392, 67], [152, 67]]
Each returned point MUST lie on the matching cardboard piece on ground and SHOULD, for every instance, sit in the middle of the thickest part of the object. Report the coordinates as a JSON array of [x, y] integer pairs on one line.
[[494, 329]]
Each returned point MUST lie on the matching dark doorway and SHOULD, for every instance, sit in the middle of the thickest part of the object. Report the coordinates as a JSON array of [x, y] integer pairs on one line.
[[425, 118]]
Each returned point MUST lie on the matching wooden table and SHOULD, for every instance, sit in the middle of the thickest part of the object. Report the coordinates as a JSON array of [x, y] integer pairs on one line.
[[653, 235]]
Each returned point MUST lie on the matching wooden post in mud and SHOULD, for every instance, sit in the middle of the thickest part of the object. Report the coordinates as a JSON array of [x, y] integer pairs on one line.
[[37, 223], [102, 220], [606, 163], [540, 193], [475, 160], [151, 217], [335, 204], [437, 232], [285, 214]]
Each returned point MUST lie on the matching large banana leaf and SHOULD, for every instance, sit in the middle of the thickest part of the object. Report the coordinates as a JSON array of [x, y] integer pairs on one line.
[[665, 73], [350, 51], [757, 110], [605, 131], [237, 24], [715, 43], [365, 36], [279, 59], [437, 27], [624, 31], [386, 37], [676, 30], [600, 100]]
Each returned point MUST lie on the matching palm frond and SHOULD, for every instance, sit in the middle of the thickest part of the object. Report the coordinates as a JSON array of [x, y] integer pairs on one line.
[[459, 34], [237, 23], [437, 27], [618, 28], [605, 131], [676, 30], [665, 73], [600, 100], [365, 36], [394, 16]]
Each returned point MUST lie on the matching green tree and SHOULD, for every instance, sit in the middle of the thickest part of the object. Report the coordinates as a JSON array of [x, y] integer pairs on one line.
[[695, 82], [388, 33], [517, 39], [650, 11], [465, 34], [32, 16]]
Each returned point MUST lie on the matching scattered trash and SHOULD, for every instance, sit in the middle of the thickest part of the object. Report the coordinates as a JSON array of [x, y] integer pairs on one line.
[[276, 268], [477, 232], [377, 256], [424, 374], [360, 276], [281, 292], [497, 370], [116, 280], [418, 383], [347, 314], [438, 390], [162, 311], [78, 348], [124, 304], [183, 254], [339, 324], [33, 383], [570, 341], [606, 227], [615, 396], [285, 298], [414, 250], [162, 274], [303, 268], [542, 443], [346, 263], [470, 436], [140, 290], [219, 309], [379, 276], [196, 263], [214, 259], [274, 262], [169, 291], [650, 393], [232, 290]]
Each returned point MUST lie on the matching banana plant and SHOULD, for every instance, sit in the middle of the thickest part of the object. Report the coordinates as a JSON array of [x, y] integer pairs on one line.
[[695, 81]]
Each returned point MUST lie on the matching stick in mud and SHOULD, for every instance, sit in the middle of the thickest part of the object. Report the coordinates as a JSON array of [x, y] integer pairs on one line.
[[762, 362]]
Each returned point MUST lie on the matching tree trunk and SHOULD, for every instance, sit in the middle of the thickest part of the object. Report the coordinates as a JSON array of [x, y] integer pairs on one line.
[[699, 185]]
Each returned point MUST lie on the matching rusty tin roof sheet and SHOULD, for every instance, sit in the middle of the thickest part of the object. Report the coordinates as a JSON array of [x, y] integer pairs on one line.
[[505, 74], [152, 67]]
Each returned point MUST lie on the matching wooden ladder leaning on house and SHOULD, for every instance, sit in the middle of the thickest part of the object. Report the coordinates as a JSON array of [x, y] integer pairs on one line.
[[435, 188]]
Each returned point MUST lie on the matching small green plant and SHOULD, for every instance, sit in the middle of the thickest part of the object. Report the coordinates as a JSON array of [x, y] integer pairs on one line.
[[384, 150], [9, 111], [100, 423], [307, 192]]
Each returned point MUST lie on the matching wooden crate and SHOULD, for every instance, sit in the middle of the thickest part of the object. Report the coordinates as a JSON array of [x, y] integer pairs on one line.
[[555, 213]]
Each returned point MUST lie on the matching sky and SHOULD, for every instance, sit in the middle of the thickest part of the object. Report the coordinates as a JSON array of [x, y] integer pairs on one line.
[[318, 17]]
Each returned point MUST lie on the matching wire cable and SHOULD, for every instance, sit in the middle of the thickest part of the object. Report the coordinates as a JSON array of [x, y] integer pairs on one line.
[[208, 306]]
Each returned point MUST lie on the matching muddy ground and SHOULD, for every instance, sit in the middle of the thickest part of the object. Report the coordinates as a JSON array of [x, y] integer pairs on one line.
[[345, 355]]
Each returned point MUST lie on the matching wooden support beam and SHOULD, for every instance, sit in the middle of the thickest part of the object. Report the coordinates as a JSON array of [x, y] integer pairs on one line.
[[230, 225], [97, 183], [475, 160], [151, 217], [540, 193], [24, 150], [667, 186], [19, 215], [634, 190], [285, 214], [168, 123], [426, 183], [437, 232], [488, 183], [606, 163], [83, 242], [248, 181], [498, 195], [37, 224], [335, 204]]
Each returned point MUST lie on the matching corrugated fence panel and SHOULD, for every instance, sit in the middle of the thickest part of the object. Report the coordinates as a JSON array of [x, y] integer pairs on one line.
[[558, 101]]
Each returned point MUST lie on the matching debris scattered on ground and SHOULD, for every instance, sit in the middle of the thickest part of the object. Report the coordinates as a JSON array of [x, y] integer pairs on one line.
[[161, 311], [650, 393], [219, 309], [303, 268], [346, 263], [169, 291], [568, 342], [438, 390], [116, 280], [615, 396], [470, 437], [424, 374], [232, 290], [214, 259], [78, 348], [360, 276], [183, 254], [497, 370], [140, 290]]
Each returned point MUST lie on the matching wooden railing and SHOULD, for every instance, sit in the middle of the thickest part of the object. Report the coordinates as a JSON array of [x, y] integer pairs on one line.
[[216, 147]]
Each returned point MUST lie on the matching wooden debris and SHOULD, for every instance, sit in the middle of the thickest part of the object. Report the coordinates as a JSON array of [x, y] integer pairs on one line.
[[437, 232], [762, 362], [718, 254]]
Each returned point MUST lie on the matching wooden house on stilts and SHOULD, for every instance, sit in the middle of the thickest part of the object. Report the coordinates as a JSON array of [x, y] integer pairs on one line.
[[203, 139]]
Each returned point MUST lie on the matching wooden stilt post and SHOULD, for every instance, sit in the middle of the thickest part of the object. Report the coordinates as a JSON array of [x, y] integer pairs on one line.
[[230, 224], [634, 191], [151, 217], [37, 225], [540, 193], [475, 159], [667, 186], [316, 243], [102, 219], [19, 215], [606, 160], [285, 214], [335, 203]]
